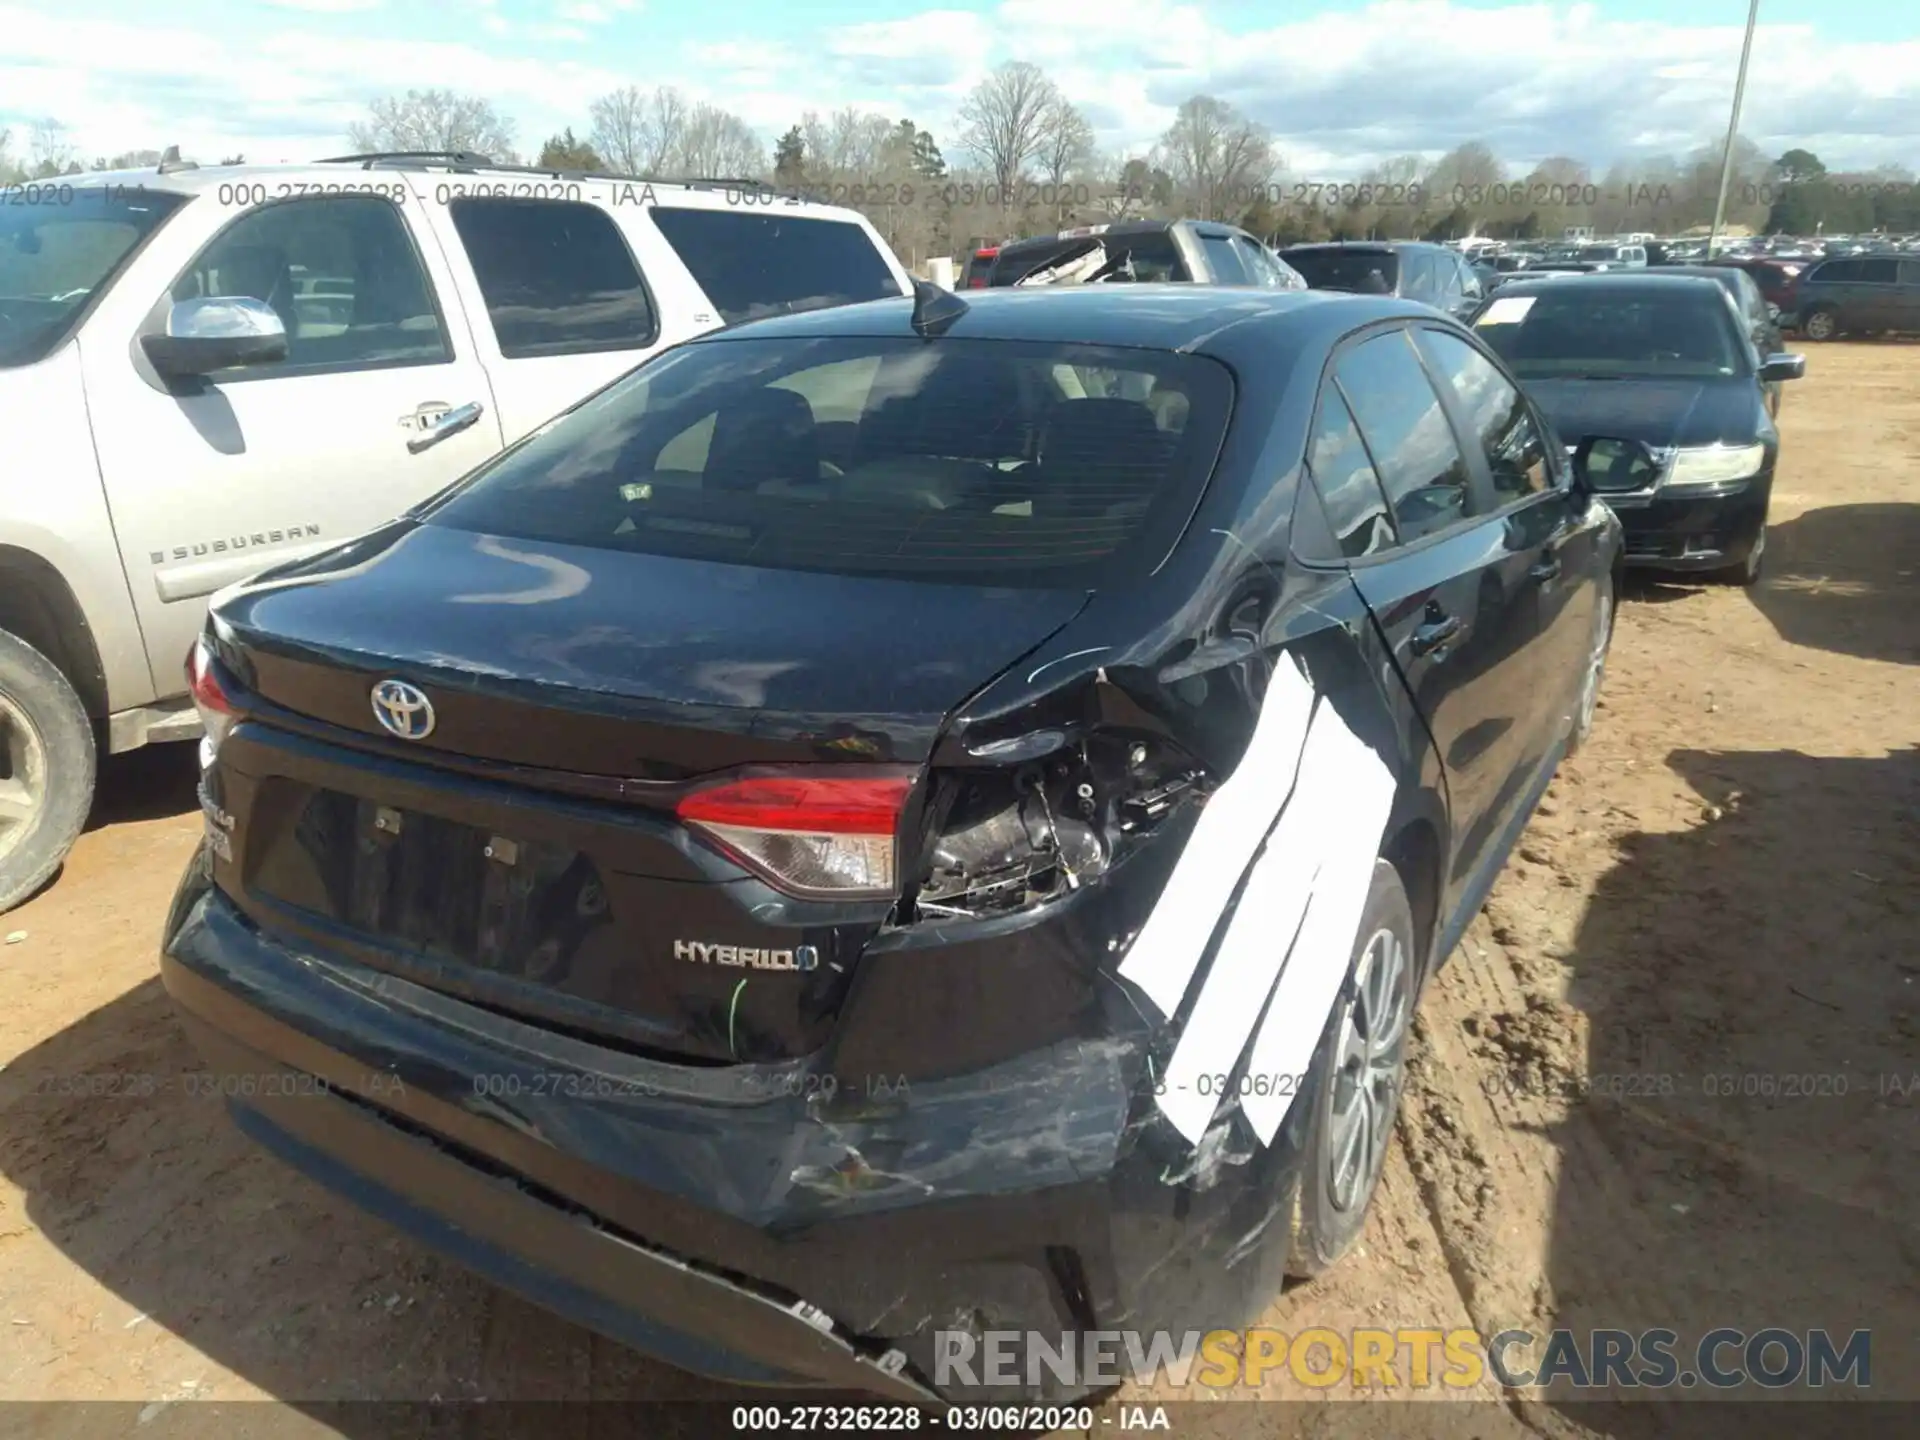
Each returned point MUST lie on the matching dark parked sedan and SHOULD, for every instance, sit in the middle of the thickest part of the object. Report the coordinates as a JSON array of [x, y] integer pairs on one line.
[[1661, 360], [897, 822]]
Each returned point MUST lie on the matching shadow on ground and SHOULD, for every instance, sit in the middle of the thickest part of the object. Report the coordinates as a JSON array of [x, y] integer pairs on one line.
[[1846, 578], [1748, 1152]]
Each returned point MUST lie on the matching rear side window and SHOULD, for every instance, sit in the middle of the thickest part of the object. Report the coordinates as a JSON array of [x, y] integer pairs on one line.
[[989, 462], [1836, 272], [1880, 272], [753, 266], [1349, 489], [556, 276], [1407, 433], [1516, 451]]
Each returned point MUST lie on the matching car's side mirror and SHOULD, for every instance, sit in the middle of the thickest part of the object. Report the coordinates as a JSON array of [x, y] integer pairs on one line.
[[217, 333], [1607, 465], [1784, 367]]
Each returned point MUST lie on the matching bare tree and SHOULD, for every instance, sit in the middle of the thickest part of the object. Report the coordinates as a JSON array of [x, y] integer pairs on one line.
[[1066, 149], [718, 144], [640, 131], [49, 147], [434, 120], [9, 169], [1219, 158], [1003, 119]]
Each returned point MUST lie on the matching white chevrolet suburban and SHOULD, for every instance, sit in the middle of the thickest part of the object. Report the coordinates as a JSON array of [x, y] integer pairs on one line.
[[206, 371]]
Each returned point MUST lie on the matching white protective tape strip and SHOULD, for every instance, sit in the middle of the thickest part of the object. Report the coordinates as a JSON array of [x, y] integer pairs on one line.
[[1322, 952], [1237, 817], [1251, 953]]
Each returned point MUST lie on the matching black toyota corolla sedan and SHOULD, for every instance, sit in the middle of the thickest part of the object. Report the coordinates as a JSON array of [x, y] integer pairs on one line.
[[1664, 363], [896, 823]]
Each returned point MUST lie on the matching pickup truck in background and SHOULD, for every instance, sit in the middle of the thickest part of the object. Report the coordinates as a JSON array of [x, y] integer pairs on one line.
[[207, 371]]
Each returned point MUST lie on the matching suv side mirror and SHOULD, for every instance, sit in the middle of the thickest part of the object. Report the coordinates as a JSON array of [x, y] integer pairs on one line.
[[1784, 367], [217, 333], [1607, 465]]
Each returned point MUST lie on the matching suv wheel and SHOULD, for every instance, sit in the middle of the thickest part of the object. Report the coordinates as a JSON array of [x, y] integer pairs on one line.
[[47, 757], [1359, 1072], [1820, 323]]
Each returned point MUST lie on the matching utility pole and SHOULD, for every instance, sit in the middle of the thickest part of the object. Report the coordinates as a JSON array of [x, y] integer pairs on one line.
[[1733, 127]]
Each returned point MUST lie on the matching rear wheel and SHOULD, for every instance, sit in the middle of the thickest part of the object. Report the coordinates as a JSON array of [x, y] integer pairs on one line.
[[47, 755], [1359, 1072], [1820, 323], [1599, 641]]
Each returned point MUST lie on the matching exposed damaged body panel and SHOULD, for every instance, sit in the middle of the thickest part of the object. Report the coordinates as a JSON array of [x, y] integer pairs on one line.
[[974, 971]]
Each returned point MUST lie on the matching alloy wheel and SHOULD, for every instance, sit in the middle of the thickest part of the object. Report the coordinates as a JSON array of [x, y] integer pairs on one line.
[[1370, 1061], [24, 786]]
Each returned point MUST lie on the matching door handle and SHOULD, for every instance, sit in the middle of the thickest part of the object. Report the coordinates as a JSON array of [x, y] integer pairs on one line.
[[1435, 635], [436, 423], [1547, 567]]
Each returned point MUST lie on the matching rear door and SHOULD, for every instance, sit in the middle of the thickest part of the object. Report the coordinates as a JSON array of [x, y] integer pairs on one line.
[[208, 484], [1878, 306], [1909, 297], [1435, 570], [562, 302], [1546, 548]]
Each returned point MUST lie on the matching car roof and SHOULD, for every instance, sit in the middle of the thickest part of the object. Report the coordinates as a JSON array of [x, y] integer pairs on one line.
[[1656, 281], [1141, 316], [506, 180], [1365, 247]]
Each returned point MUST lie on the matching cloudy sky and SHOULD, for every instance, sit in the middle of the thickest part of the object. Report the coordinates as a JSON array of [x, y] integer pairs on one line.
[[1341, 82]]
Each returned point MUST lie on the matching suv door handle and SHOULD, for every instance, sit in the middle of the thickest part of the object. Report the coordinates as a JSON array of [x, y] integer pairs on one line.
[[436, 422], [1547, 567], [1435, 635]]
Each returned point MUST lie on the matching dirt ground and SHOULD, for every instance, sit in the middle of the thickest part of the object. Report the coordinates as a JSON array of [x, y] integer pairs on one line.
[[1714, 919]]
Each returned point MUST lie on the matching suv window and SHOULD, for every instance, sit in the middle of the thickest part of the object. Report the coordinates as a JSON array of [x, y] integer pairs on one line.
[[1259, 266], [1407, 433], [1837, 272], [556, 276], [1496, 413], [60, 247], [1910, 272], [378, 309], [1228, 269], [969, 462], [1420, 279], [757, 265], [1880, 272], [1349, 490]]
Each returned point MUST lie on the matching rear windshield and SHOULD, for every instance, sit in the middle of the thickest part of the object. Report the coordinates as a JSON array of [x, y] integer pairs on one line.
[[1593, 329], [755, 265], [1347, 269], [989, 462], [60, 245]]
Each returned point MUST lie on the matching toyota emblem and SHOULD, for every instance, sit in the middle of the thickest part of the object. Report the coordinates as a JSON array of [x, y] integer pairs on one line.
[[403, 709]]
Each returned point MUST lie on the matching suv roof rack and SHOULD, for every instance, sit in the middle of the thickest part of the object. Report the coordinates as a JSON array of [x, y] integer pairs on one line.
[[466, 159], [473, 160]]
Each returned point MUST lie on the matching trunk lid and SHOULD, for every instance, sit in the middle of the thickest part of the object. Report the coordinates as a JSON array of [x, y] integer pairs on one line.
[[477, 859]]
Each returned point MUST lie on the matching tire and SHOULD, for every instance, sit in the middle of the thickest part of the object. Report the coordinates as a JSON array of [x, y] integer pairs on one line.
[[1747, 573], [1329, 1213], [1820, 323], [1599, 642], [48, 758]]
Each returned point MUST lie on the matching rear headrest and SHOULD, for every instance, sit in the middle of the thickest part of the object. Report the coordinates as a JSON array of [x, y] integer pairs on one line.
[[1098, 453], [767, 434]]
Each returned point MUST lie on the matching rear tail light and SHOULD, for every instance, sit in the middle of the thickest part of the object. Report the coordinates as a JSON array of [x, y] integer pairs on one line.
[[820, 837], [216, 707]]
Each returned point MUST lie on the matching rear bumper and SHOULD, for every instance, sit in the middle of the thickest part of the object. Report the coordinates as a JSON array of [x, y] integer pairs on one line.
[[771, 1240]]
